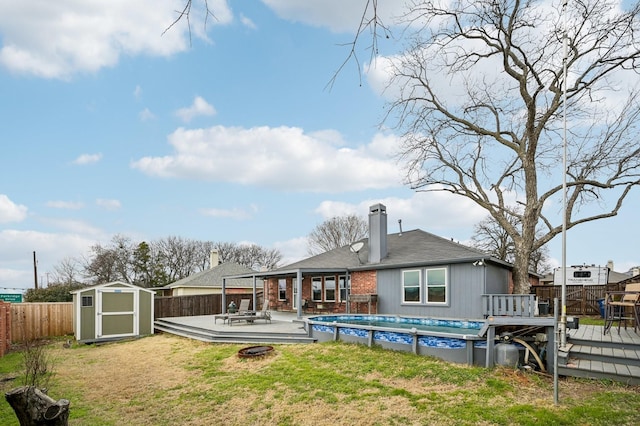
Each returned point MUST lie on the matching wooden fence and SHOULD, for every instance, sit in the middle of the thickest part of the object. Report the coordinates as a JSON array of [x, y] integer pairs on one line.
[[188, 306], [30, 321], [581, 300]]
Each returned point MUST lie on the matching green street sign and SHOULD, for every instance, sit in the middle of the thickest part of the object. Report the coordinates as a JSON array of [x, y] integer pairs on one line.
[[11, 297]]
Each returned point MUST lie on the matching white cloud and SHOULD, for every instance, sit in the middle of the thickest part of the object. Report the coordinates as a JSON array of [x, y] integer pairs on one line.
[[434, 212], [336, 15], [87, 159], [137, 92], [10, 211], [59, 39], [67, 205], [108, 204], [200, 107], [16, 254], [75, 227], [284, 158], [146, 115], [248, 22], [292, 250], [235, 213]]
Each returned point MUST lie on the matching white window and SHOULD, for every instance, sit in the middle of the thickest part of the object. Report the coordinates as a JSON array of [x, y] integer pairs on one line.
[[411, 286], [282, 289], [330, 289], [342, 283], [316, 289], [436, 282]]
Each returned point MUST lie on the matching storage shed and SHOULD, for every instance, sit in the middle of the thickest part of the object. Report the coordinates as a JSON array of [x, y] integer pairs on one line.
[[112, 311]]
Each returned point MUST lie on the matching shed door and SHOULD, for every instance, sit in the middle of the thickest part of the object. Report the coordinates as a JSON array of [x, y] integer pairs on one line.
[[116, 313]]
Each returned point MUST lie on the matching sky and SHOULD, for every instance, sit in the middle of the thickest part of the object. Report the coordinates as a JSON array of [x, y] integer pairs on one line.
[[229, 132]]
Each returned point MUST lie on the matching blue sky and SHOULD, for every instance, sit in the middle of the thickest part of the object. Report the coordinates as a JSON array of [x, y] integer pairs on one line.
[[109, 127]]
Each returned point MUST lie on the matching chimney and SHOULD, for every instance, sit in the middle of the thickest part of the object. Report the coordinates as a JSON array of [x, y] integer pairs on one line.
[[377, 233], [214, 260], [610, 265]]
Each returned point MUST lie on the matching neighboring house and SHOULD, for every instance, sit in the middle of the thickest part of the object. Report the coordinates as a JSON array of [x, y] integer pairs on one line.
[[407, 273], [210, 281]]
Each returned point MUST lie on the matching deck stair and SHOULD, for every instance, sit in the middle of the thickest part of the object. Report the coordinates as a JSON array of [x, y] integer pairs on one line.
[[592, 354], [167, 325]]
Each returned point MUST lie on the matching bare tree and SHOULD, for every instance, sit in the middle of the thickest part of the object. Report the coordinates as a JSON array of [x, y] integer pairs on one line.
[[113, 262], [338, 231], [68, 271], [481, 100], [203, 254], [250, 255], [490, 237], [178, 255]]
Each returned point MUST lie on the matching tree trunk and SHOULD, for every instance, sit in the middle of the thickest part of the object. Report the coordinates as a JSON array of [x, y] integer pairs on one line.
[[35, 408], [521, 283]]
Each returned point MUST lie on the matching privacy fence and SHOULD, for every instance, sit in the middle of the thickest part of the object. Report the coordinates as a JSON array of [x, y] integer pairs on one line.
[[30, 321], [22, 322], [581, 300], [187, 306]]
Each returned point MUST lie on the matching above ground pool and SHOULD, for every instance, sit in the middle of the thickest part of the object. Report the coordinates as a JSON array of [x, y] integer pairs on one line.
[[450, 339]]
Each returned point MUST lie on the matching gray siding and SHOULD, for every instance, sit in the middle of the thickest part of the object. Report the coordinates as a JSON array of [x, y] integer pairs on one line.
[[497, 280], [467, 283]]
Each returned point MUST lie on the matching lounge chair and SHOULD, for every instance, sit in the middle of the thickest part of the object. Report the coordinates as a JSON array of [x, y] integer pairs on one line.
[[242, 310], [264, 314]]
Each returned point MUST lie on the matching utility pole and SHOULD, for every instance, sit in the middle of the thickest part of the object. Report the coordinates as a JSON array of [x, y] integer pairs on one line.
[[35, 270]]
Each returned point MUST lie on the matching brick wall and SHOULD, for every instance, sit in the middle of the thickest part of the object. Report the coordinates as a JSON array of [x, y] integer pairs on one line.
[[364, 282]]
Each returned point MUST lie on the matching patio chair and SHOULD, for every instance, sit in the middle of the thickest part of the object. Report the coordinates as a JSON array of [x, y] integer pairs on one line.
[[621, 306], [242, 310], [264, 314]]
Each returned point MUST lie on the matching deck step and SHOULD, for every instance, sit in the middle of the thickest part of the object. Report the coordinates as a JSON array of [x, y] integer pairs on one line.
[[599, 370], [210, 336], [614, 356]]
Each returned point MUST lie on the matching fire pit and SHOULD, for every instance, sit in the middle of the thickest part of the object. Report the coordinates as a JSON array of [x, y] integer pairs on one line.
[[254, 351]]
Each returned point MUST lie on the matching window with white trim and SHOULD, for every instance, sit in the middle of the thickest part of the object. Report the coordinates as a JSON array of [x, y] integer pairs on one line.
[[87, 301], [411, 286], [342, 285], [330, 289], [282, 289], [316, 289], [436, 283]]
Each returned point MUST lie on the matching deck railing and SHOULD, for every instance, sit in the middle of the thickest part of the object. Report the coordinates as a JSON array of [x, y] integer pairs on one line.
[[509, 305]]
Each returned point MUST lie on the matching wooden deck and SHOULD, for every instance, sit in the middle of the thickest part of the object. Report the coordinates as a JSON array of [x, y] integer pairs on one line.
[[593, 354]]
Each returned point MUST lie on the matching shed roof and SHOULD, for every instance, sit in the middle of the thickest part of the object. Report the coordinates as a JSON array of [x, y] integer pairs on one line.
[[112, 284]]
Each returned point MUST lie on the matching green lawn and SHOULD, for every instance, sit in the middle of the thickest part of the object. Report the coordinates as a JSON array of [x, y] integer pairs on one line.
[[166, 380]]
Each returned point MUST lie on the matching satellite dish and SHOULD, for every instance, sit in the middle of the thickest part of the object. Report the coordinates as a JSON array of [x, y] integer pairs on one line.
[[356, 247]]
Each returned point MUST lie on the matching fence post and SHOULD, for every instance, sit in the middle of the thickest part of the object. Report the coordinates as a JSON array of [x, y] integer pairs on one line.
[[5, 327]]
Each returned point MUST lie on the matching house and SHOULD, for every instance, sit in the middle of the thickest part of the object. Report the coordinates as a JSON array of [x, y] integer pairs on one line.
[[413, 273], [210, 280]]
